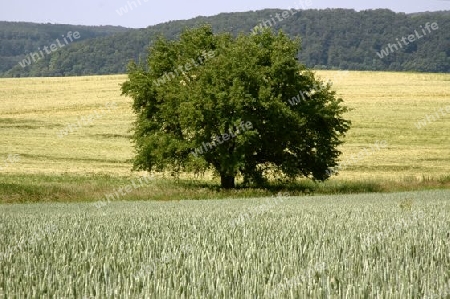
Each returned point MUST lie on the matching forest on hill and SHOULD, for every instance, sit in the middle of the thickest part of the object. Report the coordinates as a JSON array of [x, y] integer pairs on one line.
[[331, 39]]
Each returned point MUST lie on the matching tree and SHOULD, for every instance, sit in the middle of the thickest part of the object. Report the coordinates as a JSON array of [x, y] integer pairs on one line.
[[240, 106]]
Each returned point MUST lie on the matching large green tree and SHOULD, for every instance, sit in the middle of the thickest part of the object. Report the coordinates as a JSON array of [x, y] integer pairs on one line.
[[238, 105]]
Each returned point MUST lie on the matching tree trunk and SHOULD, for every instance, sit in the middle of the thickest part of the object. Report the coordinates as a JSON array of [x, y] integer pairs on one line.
[[227, 181]]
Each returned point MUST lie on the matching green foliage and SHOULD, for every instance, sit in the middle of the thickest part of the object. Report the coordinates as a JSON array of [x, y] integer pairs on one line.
[[332, 39], [251, 80], [18, 39]]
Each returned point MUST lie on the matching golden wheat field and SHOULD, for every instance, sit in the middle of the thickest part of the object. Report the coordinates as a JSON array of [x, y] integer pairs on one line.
[[386, 107]]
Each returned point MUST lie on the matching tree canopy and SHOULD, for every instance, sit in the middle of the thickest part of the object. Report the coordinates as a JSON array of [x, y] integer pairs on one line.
[[242, 106]]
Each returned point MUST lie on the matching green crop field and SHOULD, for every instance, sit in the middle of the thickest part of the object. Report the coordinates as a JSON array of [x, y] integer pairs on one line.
[[347, 246]]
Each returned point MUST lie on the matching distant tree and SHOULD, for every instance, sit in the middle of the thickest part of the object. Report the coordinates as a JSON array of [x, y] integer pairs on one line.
[[238, 105]]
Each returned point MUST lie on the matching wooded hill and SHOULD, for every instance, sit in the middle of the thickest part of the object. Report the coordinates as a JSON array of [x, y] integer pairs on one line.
[[331, 39]]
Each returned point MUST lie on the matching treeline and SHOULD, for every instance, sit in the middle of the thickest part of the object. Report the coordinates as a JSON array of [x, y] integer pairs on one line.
[[19, 39], [331, 39]]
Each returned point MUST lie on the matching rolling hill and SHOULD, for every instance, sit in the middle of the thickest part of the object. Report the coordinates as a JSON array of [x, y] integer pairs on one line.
[[331, 39]]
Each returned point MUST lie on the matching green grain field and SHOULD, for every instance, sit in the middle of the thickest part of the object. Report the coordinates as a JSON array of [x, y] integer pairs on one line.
[[349, 246]]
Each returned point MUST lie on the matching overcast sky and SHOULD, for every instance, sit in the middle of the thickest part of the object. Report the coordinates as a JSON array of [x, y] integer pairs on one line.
[[151, 12]]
